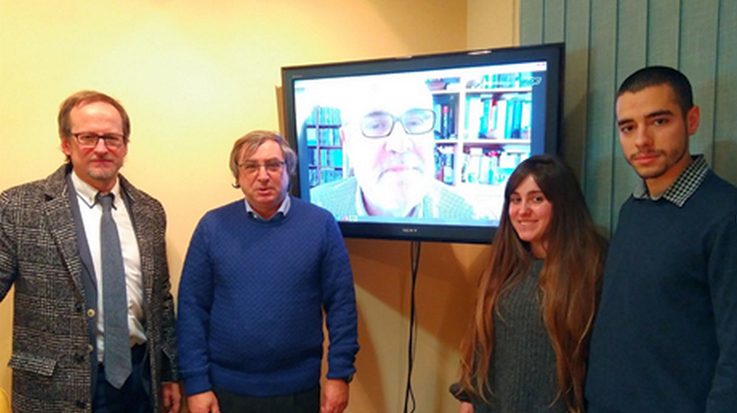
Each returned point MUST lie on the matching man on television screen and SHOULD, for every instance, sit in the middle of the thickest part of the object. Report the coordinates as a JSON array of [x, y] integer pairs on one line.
[[387, 134]]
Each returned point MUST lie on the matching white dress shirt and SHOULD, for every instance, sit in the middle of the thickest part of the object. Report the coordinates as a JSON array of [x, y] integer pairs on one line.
[[91, 213]]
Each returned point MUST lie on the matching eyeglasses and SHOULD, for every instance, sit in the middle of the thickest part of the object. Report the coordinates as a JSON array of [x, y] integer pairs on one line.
[[89, 139], [272, 167], [381, 124]]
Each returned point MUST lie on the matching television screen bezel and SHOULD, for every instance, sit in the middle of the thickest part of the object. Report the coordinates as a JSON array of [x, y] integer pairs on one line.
[[551, 53]]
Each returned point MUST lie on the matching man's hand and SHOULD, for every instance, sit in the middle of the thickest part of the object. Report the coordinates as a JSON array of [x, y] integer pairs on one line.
[[203, 403], [172, 397], [466, 407], [334, 396]]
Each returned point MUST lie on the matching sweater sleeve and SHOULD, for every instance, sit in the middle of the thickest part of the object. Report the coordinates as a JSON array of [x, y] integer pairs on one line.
[[195, 302], [722, 264], [339, 302]]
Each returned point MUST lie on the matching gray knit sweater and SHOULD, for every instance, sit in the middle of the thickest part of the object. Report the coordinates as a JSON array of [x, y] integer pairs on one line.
[[522, 371]]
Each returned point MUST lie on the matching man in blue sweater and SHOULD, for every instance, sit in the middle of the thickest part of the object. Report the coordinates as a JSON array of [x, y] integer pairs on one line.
[[258, 277], [665, 337]]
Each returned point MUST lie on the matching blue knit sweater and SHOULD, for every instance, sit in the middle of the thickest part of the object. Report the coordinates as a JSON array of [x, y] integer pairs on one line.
[[251, 302], [665, 337]]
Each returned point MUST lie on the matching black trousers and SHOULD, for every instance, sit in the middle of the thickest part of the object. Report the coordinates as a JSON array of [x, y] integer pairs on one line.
[[133, 397], [304, 402]]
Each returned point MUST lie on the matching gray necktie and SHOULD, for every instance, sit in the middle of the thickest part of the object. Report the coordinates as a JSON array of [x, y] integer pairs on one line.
[[117, 358]]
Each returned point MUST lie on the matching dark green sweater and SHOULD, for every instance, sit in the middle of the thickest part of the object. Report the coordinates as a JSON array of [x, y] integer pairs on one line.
[[522, 371], [665, 337]]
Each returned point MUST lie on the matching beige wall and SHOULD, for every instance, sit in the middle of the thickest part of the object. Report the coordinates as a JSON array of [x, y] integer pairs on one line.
[[196, 75], [492, 23]]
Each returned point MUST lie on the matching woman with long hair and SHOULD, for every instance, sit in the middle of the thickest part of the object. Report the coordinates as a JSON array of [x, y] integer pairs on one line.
[[526, 347]]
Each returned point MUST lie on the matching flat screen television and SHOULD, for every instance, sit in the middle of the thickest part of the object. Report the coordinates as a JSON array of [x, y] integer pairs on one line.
[[420, 147]]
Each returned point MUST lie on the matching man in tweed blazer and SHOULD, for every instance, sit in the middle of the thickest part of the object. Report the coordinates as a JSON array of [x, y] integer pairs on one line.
[[50, 252]]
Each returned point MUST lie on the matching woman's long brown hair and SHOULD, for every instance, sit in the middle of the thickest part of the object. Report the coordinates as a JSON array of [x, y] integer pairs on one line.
[[569, 282]]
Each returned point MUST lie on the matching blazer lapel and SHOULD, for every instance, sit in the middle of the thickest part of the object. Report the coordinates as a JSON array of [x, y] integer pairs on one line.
[[83, 247], [59, 220]]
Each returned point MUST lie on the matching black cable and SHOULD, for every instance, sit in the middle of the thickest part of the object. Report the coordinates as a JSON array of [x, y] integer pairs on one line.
[[409, 395]]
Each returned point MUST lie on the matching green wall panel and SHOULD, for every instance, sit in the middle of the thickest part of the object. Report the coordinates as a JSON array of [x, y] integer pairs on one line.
[[532, 25], [663, 39], [576, 72], [725, 84], [698, 60], [631, 55], [555, 20], [601, 144]]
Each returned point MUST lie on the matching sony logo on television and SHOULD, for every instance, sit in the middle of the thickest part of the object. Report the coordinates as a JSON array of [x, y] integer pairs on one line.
[[409, 230]]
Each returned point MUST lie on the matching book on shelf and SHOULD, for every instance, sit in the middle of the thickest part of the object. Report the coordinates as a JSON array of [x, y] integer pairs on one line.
[[322, 135], [324, 116], [331, 157], [490, 166], [322, 132], [311, 135], [445, 107], [514, 118], [498, 116], [499, 120], [512, 80], [329, 137], [331, 175], [445, 164], [314, 177], [336, 156], [472, 165], [475, 115]]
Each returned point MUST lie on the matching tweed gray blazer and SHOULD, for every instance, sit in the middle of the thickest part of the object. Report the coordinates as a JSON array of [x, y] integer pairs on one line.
[[52, 352]]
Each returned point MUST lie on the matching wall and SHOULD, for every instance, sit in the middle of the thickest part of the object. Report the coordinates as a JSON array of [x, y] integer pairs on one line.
[[605, 42], [196, 75], [492, 23]]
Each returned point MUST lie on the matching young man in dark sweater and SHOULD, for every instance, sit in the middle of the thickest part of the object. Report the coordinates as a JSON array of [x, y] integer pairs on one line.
[[258, 276], [665, 337]]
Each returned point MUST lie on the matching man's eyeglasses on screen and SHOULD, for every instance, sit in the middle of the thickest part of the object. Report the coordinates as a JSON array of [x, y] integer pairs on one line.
[[380, 124]]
